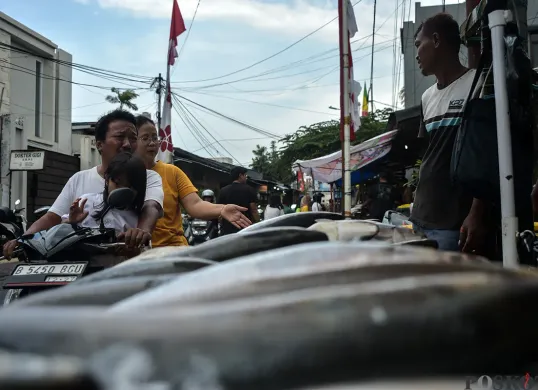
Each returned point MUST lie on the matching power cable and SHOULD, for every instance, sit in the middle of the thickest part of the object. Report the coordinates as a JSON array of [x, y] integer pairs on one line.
[[271, 56], [231, 119]]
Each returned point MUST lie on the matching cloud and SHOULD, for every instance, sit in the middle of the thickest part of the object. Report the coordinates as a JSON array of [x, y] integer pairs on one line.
[[260, 28]]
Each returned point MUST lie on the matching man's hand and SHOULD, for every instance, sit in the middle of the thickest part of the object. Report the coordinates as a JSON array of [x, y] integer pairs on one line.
[[76, 211], [234, 214], [9, 248], [472, 233], [135, 237]]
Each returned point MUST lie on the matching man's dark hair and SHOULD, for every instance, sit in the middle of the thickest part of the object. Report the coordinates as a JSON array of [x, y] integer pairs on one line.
[[101, 127], [444, 25], [141, 120], [237, 171]]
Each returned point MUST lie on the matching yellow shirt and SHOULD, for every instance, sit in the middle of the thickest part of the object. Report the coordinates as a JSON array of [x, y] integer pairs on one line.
[[176, 186], [304, 208]]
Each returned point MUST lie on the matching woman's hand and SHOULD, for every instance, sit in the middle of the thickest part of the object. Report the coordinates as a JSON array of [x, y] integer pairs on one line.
[[76, 211], [234, 214]]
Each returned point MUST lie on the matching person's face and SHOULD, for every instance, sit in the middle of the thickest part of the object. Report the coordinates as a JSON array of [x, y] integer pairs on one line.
[[120, 137], [148, 142], [122, 182], [426, 52], [243, 178]]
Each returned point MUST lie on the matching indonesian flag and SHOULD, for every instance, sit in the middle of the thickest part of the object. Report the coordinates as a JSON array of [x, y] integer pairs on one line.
[[177, 27], [354, 87], [354, 93]]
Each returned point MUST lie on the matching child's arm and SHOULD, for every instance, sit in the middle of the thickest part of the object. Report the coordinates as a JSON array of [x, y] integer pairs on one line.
[[76, 211]]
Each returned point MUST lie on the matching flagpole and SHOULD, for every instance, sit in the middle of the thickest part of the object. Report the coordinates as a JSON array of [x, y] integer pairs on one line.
[[345, 118], [371, 94]]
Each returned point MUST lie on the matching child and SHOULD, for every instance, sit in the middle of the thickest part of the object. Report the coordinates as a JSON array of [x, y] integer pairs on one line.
[[124, 171]]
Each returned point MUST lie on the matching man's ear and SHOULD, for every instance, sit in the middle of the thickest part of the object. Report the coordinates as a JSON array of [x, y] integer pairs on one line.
[[99, 146], [436, 40]]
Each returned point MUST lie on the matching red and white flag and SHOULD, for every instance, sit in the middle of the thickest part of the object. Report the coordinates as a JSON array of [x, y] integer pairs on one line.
[[177, 27], [354, 86]]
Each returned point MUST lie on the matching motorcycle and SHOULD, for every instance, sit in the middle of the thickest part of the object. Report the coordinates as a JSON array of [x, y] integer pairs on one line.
[[199, 231], [12, 223], [41, 211], [47, 258]]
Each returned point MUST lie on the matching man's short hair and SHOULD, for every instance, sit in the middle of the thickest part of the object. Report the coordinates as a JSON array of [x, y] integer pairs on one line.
[[101, 127], [237, 171], [444, 25]]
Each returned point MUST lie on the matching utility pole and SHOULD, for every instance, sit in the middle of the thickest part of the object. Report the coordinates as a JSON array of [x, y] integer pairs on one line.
[[345, 117], [158, 84], [371, 95]]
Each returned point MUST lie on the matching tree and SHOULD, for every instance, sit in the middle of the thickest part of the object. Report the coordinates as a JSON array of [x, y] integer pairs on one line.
[[123, 98], [316, 140], [261, 161]]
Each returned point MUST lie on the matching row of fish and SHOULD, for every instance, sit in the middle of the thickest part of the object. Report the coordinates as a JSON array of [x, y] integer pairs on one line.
[[301, 301]]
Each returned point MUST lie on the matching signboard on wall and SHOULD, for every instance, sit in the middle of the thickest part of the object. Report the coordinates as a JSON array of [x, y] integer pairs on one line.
[[27, 160]]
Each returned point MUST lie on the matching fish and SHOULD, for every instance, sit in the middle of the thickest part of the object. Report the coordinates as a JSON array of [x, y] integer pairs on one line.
[[23, 371], [295, 219], [234, 245], [159, 266], [361, 230], [97, 293], [299, 266], [414, 326]]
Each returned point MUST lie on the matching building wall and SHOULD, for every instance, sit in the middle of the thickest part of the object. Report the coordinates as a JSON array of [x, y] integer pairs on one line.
[[36, 105], [415, 83]]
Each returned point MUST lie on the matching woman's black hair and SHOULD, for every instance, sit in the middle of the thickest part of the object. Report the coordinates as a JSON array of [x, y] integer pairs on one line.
[[141, 120], [275, 202], [133, 169]]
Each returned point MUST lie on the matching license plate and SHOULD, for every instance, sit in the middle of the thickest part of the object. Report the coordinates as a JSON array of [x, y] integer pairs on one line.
[[60, 279], [50, 269]]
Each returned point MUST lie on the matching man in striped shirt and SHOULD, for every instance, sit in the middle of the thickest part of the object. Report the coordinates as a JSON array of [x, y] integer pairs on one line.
[[441, 210]]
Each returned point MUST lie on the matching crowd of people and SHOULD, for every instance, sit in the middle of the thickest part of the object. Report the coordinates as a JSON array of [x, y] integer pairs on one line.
[[128, 146]]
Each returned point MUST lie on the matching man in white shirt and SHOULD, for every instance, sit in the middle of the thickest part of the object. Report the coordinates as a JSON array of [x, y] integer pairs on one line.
[[115, 132]]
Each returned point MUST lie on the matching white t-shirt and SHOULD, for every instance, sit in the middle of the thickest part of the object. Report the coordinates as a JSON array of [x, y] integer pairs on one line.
[[316, 207], [120, 220], [90, 182], [272, 212]]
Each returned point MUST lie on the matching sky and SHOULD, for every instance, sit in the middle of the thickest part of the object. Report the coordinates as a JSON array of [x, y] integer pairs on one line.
[[291, 89]]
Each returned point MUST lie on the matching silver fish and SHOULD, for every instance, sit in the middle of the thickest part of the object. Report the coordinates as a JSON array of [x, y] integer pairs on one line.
[[97, 293], [295, 219], [297, 265], [307, 338]]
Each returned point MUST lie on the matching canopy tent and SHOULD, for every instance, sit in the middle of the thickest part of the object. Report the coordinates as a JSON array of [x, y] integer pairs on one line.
[[328, 169]]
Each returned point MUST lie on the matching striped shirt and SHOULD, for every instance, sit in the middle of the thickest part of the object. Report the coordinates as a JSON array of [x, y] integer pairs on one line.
[[440, 204]]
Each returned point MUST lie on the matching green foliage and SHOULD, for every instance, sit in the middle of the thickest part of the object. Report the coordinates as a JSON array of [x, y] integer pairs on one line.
[[124, 98], [316, 140]]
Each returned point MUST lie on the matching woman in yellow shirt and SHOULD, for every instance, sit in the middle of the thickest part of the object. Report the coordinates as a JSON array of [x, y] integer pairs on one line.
[[178, 190]]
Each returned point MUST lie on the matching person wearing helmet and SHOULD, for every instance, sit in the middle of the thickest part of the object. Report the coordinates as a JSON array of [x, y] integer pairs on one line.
[[213, 225], [208, 196]]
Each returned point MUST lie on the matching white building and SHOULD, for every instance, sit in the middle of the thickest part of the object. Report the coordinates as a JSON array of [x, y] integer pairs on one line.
[[415, 83], [35, 104], [84, 144]]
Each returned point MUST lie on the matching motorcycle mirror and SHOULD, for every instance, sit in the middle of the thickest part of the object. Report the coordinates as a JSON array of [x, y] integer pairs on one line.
[[121, 198]]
